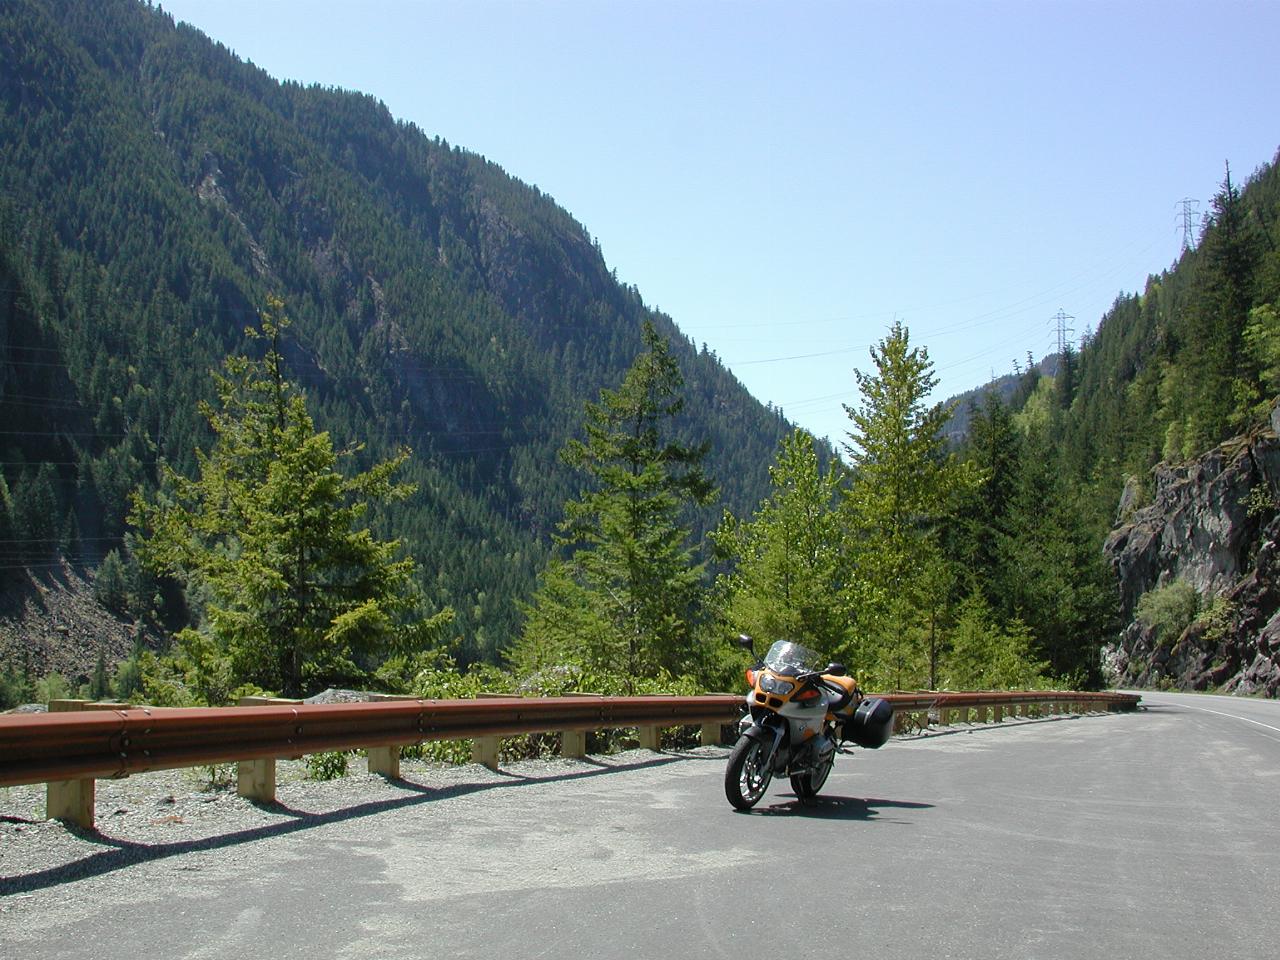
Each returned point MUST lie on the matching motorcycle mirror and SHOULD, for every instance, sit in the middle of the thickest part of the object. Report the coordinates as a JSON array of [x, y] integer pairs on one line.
[[836, 669], [744, 641]]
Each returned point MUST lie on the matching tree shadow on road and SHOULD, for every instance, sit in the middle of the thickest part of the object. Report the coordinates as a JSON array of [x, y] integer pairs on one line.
[[826, 807], [123, 853]]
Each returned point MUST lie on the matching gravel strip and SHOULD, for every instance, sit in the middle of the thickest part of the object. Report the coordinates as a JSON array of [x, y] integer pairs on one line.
[[177, 812]]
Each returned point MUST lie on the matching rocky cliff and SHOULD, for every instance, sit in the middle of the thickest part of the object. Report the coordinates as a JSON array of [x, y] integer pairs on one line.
[[1213, 526]]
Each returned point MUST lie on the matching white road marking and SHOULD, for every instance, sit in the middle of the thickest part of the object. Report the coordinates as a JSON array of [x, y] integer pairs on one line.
[[1234, 716]]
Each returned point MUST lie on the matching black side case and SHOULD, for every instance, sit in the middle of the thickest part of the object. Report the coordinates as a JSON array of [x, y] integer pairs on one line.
[[871, 724]]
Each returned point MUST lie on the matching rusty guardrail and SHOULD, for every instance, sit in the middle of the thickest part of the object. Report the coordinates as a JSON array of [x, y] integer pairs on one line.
[[948, 708], [71, 750]]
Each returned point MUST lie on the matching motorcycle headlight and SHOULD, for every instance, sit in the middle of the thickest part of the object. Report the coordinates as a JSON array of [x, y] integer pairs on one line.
[[771, 684]]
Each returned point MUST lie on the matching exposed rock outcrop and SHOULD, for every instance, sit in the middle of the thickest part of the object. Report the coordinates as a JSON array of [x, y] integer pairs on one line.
[[1212, 524]]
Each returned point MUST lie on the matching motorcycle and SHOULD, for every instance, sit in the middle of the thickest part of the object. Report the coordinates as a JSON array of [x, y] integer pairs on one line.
[[798, 711]]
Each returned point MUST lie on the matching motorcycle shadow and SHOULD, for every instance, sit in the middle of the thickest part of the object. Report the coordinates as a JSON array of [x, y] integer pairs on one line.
[[826, 807]]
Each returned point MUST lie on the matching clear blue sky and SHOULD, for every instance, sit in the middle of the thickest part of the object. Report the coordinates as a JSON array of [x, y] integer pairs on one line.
[[787, 178]]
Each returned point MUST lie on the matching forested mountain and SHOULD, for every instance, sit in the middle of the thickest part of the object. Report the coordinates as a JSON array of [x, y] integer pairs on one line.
[[1012, 389], [156, 193], [1190, 362], [155, 189], [1171, 401]]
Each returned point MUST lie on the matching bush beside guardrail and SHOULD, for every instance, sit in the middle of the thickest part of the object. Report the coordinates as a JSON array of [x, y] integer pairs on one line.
[[77, 743]]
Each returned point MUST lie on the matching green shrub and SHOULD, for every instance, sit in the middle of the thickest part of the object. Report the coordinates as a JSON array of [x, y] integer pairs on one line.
[[1218, 620], [327, 766], [442, 681], [54, 686], [1167, 611], [15, 687], [127, 683]]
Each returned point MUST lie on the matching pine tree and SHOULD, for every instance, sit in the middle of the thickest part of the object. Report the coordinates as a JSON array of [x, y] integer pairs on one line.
[[985, 655], [788, 562], [993, 449], [1053, 576], [299, 594], [8, 527], [903, 484], [630, 577], [1226, 262], [109, 586], [1066, 377], [35, 514]]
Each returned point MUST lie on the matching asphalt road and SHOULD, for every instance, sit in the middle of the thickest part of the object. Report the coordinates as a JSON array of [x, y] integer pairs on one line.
[[1153, 834]]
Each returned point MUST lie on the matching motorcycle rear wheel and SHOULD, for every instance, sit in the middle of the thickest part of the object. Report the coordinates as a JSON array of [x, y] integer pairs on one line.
[[747, 776], [807, 785]]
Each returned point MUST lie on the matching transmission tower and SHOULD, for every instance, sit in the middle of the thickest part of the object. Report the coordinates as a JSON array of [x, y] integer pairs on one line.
[[1063, 329], [1189, 215]]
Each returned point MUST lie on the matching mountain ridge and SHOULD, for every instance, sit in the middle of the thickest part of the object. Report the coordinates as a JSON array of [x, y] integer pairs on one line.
[[157, 188]]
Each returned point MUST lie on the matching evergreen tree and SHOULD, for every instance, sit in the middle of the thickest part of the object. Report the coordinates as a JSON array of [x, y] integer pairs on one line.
[[788, 569], [8, 528], [1066, 377], [299, 594], [630, 578], [1226, 262], [974, 541], [986, 655], [109, 586], [903, 484], [100, 683], [35, 514], [1053, 575]]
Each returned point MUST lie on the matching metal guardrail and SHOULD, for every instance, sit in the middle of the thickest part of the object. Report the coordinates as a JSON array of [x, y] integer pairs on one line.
[[923, 706], [71, 750]]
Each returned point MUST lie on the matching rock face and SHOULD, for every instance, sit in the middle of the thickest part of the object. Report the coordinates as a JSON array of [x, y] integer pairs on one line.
[[1212, 524]]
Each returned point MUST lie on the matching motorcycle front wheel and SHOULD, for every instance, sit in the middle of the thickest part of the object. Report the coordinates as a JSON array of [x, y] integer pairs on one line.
[[747, 776], [807, 785]]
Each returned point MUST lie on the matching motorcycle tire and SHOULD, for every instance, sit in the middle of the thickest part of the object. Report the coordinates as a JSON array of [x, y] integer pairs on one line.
[[807, 785], [747, 777]]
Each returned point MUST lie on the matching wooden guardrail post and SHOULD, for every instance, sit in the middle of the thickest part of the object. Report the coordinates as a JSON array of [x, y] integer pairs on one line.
[[711, 734], [486, 750], [73, 800], [650, 737], [256, 779], [573, 744], [383, 760]]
